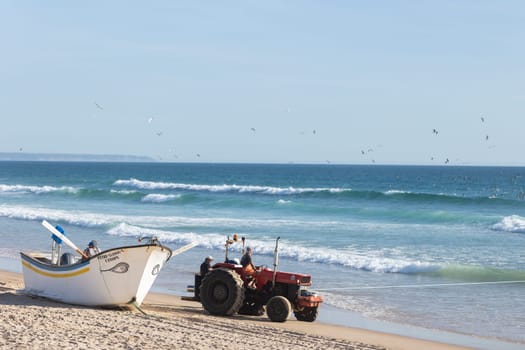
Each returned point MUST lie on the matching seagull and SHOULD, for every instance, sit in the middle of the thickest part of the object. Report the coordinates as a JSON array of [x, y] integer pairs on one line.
[[198, 155], [252, 129], [362, 152], [314, 131], [159, 133], [20, 149], [98, 106], [487, 137], [482, 120], [446, 161], [435, 131]]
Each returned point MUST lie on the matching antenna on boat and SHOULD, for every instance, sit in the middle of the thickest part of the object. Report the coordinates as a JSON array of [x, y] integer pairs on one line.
[[56, 247]]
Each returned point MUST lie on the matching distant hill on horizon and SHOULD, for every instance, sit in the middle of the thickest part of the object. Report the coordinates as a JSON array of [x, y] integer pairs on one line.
[[63, 157]]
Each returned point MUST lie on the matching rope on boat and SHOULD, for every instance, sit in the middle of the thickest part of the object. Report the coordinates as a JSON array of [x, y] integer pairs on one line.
[[419, 285], [134, 303]]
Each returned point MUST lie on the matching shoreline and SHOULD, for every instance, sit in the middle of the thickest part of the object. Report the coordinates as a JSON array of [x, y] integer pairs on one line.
[[183, 323]]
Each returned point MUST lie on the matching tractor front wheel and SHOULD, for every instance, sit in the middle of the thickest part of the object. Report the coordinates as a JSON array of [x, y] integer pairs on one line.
[[222, 292], [308, 314], [278, 309]]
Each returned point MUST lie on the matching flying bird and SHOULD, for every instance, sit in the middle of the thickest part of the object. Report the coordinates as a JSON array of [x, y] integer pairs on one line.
[[487, 137], [252, 129], [482, 120], [98, 106], [159, 133], [435, 131], [314, 131], [198, 155]]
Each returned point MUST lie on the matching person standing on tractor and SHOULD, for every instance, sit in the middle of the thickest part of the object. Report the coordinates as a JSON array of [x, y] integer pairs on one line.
[[206, 265]]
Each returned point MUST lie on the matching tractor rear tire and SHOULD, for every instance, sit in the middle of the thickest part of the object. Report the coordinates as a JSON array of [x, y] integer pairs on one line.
[[222, 292], [308, 314], [278, 309]]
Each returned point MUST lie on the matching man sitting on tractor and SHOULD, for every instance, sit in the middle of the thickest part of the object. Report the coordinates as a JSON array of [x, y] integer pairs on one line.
[[248, 267]]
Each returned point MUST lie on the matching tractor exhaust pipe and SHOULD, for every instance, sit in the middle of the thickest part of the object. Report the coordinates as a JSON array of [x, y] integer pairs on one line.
[[275, 261]]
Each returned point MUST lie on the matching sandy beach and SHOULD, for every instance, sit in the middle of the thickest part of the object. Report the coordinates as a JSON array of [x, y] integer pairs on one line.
[[168, 323]]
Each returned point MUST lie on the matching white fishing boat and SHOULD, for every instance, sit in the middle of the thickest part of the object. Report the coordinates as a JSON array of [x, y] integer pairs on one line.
[[117, 276]]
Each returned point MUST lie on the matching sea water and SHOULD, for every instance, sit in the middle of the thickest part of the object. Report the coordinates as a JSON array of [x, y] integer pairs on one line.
[[441, 248]]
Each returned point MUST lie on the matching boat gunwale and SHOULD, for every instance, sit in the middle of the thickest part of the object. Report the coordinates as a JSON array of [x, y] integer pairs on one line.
[[82, 263]]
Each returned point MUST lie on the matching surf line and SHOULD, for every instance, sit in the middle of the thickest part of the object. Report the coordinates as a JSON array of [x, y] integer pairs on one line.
[[419, 285]]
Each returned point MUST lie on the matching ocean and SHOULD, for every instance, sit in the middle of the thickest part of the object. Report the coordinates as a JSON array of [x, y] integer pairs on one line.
[[440, 248]]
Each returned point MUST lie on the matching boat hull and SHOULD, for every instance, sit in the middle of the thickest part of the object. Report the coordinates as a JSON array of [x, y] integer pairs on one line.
[[114, 277]]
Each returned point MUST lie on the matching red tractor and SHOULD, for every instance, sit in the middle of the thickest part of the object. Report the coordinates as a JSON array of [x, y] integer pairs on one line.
[[228, 289]]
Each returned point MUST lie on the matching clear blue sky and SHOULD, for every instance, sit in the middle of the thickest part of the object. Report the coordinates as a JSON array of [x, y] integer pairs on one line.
[[372, 76]]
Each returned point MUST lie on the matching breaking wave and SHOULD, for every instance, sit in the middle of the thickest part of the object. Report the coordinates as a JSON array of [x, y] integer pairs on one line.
[[513, 223], [323, 192], [294, 251], [35, 189], [180, 232], [151, 185], [160, 198]]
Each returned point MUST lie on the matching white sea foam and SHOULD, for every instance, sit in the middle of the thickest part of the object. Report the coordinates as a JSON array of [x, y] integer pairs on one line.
[[150, 185], [90, 219], [282, 201], [160, 198], [358, 260], [12, 253], [35, 189], [136, 226], [391, 192], [513, 223], [123, 191], [77, 218]]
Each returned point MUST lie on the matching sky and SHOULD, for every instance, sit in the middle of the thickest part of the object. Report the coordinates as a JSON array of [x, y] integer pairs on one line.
[[340, 82]]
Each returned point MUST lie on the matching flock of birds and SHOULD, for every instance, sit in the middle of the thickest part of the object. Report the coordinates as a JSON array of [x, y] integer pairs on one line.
[[435, 132], [364, 152], [198, 155]]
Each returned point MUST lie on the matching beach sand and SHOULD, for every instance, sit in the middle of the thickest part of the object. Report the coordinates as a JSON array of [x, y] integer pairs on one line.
[[170, 323]]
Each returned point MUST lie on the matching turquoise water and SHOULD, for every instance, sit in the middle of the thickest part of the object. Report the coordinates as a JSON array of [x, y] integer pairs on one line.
[[437, 247]]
